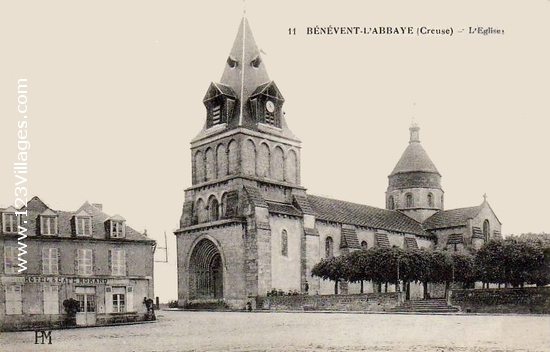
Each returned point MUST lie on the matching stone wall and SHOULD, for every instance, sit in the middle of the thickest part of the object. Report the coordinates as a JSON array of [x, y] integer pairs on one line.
[[532, 300], [372, 302]]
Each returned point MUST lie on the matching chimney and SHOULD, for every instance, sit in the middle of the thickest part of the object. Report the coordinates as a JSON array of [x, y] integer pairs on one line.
[[98, 206]]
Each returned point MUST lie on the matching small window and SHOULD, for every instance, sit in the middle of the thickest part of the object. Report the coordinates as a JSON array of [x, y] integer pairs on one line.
[[391, 203], [48, 225], [409, 200], [284, 243], [9, 220], [118, 262], [200, 211], [84, 262], [329, 247], [486, 230], [364, 245], [11, 260], [83, 225], [430, 200], [213, 209], [117, 229], [119, 299], [50, 261]]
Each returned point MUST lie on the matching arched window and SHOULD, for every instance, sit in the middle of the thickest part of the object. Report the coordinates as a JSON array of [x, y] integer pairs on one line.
[[249, 158], [213, 209], [263, 161], [221, 161], [284, 243], [409, 200], [277, 166], [329, 247], [232, 165], [486, 229], [430, 200], [364, 245], [391, 203], [199, 167], [200, 211], [291, 167], [210, 164]]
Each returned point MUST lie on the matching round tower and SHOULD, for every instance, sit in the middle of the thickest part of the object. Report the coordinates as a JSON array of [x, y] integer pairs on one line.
[[414, 186]]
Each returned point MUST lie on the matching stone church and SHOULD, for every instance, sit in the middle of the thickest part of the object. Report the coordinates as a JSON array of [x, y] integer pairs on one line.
[[248, 226]]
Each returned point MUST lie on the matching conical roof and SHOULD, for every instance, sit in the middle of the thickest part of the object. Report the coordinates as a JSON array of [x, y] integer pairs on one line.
[[414, 158], [244, 70], [243, 77]]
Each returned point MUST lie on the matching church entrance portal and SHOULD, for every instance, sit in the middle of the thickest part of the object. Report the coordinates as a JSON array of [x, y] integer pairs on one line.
[[205, 272]]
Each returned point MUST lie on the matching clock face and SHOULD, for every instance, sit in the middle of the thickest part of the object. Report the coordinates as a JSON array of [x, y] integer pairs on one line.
[[270, 106]]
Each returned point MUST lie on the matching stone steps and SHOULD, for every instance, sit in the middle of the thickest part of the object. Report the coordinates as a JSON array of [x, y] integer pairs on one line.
[[426, 306]]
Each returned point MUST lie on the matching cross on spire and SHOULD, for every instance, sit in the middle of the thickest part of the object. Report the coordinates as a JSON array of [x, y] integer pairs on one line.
[[484, 197]]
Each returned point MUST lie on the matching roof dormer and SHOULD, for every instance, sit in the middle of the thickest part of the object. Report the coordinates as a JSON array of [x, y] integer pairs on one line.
[[48, 223], [82, 224], [220, 101], [9, 220], [115, 227], [266, 104]]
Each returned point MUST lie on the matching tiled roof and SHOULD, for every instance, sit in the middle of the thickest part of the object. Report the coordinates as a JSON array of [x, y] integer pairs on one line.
[[410, 242], [451, 218], [302, 203], [363, 215], [35, 207], [414, 159], [477, 233], [255, 196], [349, 239], [282, 208], [226, 90], [455, 238], [382, 240]]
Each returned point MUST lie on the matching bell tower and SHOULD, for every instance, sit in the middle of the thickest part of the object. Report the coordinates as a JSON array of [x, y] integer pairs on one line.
[[415, 184], [244, 140]]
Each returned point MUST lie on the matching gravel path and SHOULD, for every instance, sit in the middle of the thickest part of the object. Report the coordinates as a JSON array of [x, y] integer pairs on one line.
[[274, 332]]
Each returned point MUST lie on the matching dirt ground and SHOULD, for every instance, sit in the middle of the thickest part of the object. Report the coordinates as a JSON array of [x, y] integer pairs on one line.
[[233, 331]]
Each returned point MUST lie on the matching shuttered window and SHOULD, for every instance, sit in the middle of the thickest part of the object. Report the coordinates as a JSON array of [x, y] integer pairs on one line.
[[50, 261]]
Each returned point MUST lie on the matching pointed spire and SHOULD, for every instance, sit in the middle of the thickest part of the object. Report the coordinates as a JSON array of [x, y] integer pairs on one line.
[[244, 70]]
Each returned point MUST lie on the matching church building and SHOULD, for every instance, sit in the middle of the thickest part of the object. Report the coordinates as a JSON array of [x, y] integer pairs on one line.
[[248, 226]]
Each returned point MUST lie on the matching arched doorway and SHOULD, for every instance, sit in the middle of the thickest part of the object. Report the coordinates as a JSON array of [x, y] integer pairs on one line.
[[205, 271]]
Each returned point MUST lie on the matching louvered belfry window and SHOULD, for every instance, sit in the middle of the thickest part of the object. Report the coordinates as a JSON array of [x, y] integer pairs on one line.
[[216, 115]]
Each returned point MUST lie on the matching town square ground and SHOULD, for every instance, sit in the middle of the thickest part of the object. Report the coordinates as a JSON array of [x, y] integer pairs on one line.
[[243, 331]]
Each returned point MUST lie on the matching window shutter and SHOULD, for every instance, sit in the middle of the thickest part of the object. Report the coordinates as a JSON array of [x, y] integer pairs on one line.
[[7, 264], [54, 259], [76, 256], [93, 261], [110, 262], [108, 299], [58, 260], [129, 299], [39, 225], [45, 254], [126, 272], [74, 225]]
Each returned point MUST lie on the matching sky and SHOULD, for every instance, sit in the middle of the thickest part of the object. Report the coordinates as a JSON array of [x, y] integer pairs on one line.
[[115, 93]]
